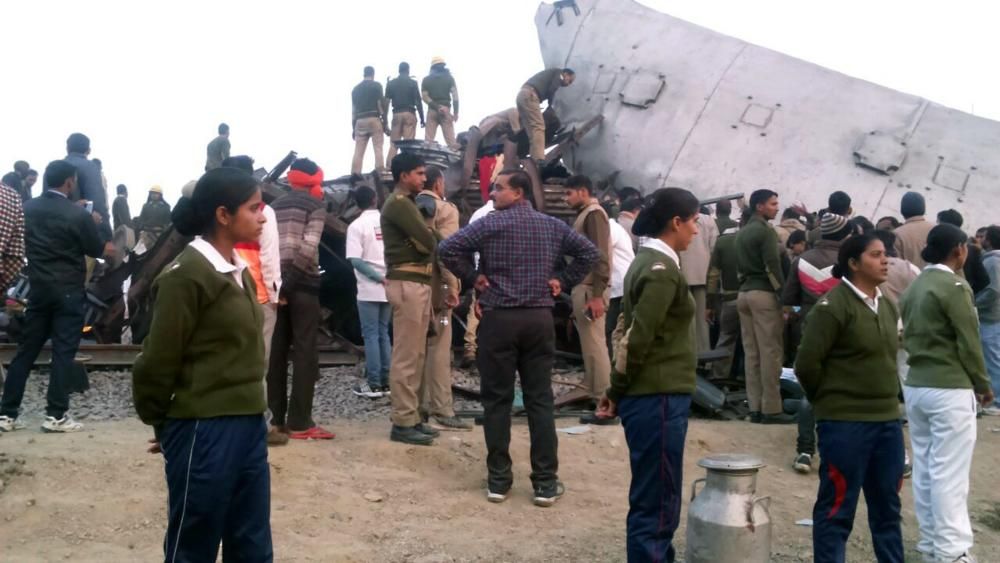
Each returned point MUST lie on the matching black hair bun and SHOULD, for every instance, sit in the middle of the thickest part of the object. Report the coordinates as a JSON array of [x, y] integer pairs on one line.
[[184, 218]]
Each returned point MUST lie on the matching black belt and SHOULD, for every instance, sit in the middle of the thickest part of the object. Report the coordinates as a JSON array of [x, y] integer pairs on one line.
[[365, 114]]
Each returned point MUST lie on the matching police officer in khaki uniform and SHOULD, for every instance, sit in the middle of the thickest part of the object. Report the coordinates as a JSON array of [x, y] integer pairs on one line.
[[591, 297], [367, 118], [409, 250], [435, 393], [440, 93], [403, 94]]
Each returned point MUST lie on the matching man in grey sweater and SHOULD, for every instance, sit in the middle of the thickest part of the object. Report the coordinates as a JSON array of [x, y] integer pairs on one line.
[[988, 306]]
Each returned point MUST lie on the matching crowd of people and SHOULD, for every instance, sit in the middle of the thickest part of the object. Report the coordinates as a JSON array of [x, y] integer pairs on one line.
[[851, 317]]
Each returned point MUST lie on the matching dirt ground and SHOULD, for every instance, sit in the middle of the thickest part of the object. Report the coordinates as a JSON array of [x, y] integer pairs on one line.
[[97, 496]]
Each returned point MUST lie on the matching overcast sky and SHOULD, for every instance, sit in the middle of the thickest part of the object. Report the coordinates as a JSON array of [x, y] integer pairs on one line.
[[149, 82]]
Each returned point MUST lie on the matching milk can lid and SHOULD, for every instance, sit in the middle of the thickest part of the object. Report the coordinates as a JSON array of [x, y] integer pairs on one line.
[[731, 462]]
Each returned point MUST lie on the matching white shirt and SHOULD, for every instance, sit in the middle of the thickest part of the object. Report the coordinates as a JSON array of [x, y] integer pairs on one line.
[[621, 258], [657, 244], [234, 268], [270, 255], [364, 241], [941, 267], [478, 214], [482, 212], [871, 303]]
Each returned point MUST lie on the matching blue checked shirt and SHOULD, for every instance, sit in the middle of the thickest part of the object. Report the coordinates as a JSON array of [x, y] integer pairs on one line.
[[520, 251]]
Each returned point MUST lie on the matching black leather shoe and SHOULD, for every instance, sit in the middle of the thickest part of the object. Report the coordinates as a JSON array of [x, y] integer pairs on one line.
[[777, 419], [754, 417], [592, 418], [410, 435]]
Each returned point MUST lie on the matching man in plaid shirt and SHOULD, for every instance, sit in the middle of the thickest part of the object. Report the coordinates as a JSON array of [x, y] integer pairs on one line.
[[11, 236], [520, 251]]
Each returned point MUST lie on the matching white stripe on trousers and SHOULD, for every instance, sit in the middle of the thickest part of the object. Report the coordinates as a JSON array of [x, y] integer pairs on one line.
[[943, 435], [187, 483]]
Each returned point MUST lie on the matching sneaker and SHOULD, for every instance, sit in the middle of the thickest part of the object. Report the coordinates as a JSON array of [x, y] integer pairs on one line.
[[8, 424], [991, 410], [364, 390], [496, 498], [61, 425], [427, 429], [802, 464], [385, 390], [275, 437], [547, 497], [410, 435], [314, 433], [592, 418], [780, 418], [452, 423], [963, 558]]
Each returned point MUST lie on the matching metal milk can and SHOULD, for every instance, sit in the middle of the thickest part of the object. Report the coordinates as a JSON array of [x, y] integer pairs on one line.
[[727, 522]]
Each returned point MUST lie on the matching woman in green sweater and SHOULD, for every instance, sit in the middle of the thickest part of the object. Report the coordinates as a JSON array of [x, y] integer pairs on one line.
[[846, 364], [654, 372], [199, 381], [947, 375]]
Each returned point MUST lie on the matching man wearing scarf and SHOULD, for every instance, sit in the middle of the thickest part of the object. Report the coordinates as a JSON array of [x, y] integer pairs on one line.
[[300, 217]]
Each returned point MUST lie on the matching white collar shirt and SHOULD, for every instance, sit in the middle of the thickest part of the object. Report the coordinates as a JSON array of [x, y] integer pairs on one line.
[[870, 302], [234, 268], [659, 245]]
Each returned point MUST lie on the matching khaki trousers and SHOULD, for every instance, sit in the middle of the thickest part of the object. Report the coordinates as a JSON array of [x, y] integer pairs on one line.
[[404, 126], [593, 346], [270, 318], [701, 338], [435, 387], [364, 129], [729, 331], [471, 326], [762, 326], [530, 110], [447, 123], [411, 315]]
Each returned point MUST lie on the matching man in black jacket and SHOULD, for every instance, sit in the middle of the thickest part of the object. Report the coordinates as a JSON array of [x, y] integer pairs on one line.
[[89, 184], [58, 234]]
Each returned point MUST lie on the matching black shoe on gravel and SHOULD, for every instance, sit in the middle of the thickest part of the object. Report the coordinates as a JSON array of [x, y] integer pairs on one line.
[[410, 435]]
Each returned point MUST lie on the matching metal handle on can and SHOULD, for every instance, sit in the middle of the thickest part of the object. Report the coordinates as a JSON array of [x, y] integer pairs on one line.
[[694, 487], [753, 503]]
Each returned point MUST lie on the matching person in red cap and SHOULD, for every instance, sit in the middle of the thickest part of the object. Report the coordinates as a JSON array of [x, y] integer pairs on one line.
[[300, 217]]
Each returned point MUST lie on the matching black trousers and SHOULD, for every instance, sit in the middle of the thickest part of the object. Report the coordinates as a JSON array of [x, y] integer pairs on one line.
[[518, 341], [611, 321], [296, 326], [58, 316]]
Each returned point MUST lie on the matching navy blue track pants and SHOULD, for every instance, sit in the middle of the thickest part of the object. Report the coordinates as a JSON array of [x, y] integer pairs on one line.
[[655, 429], [219, 486], [858, 456]]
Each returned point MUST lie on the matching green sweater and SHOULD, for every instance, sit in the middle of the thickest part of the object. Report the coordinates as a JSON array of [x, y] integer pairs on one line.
[[759, 259], [941, 333], [408, 241], [658, 310], [846, 362], [204, 355]]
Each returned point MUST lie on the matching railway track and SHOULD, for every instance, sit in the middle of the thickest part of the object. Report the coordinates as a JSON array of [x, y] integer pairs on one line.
[[123, 355]]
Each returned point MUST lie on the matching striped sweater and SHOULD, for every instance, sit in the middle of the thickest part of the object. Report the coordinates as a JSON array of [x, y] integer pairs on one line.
[[300, 220], [811, 276]]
